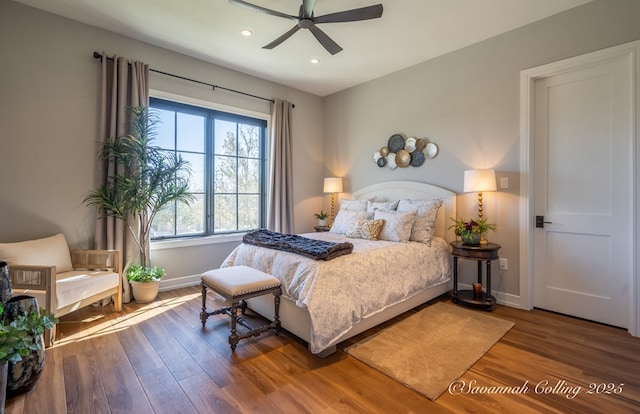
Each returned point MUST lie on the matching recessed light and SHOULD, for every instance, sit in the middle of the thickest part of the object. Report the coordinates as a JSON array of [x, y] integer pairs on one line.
[[315, 60], [246, 32]]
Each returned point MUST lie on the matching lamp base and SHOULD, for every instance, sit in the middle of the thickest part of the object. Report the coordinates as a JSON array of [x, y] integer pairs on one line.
[[333, 202]]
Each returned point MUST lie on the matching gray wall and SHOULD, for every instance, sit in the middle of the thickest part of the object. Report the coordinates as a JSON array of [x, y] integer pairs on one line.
[[49, 88], [467, 102]]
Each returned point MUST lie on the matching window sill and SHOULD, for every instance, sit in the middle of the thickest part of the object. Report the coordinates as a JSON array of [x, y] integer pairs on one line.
[[196, 241]]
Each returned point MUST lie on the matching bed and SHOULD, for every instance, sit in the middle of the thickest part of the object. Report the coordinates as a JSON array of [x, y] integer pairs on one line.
[[326, 302]]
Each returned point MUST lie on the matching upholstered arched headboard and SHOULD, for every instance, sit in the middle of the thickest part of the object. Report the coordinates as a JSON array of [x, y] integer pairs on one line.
[[395, 190]]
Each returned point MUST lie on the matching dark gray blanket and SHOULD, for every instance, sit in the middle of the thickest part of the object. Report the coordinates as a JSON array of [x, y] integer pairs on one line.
[[315, 249]]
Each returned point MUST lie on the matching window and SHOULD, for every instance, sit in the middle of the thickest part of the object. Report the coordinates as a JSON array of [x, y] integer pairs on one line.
[[226, 153]]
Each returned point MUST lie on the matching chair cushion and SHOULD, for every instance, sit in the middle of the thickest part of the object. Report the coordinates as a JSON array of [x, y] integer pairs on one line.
[[80, 284], [49, 251], [238, 280]]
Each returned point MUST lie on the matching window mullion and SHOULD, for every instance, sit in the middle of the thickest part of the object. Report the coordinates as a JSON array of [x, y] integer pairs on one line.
[[209, 174]]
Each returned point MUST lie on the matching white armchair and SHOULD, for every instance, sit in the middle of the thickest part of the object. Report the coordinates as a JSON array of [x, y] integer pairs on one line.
[[62, 280]]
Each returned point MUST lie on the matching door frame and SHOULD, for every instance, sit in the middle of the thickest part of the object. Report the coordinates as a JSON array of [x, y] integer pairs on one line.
[[630, 51]]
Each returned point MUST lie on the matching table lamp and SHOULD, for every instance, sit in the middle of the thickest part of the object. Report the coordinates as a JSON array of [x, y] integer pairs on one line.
[[332, 185], [479, 181]]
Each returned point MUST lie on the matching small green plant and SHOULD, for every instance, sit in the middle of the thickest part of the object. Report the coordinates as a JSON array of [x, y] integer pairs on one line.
[[321, 215], [17, 338], [137, 273]]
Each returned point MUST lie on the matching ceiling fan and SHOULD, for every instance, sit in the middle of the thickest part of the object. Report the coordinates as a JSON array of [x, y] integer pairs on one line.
[[306, 20]]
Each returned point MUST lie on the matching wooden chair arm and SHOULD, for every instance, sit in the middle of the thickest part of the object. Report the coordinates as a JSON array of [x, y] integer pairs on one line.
[[35, 279], [92, 259], [32, 277]]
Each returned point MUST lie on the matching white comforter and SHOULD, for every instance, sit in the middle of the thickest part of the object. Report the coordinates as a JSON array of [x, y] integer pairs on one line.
[[339, 293]]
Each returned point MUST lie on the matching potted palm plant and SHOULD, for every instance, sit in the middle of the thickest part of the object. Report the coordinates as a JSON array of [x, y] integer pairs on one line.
[[151, 178]]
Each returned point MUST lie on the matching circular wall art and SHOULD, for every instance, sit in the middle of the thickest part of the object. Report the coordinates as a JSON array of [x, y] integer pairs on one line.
[[396, 143], [402, 153], [403, 158], [417, 158], [431, 149]]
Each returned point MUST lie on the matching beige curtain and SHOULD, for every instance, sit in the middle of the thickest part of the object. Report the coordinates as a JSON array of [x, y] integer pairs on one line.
[[124, 84], [280, 204]]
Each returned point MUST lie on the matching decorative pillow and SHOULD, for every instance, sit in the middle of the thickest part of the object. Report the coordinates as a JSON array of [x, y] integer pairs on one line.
[[382, 205], [397, 225], [365, 229], [50, 251], [345, 218], [425, 222], [353, 205]]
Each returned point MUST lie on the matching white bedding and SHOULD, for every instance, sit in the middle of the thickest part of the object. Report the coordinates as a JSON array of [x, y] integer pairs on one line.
[[341, 292]]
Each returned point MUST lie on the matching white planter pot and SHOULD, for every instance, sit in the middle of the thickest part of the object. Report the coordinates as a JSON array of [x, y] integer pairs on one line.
[[145, 292], [322, 223]]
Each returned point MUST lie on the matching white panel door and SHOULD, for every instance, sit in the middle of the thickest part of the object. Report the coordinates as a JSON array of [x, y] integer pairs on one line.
[[583, 132]]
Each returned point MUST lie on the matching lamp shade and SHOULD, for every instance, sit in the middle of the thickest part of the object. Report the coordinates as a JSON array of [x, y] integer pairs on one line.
[[333, 185], [479, 181]]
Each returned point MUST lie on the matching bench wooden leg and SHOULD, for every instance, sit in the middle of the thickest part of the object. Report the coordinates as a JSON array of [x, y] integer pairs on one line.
[[276, 317], [233, 338], [203, 313]]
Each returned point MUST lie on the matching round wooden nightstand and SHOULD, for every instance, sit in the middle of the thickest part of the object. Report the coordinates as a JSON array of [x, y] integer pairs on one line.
[[483, 252], [321, 228]]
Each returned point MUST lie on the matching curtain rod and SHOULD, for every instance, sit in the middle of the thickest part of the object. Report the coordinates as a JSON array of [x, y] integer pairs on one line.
[[97, 55]]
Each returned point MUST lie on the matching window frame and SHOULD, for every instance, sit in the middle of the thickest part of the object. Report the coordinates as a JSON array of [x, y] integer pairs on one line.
[[211, 112]]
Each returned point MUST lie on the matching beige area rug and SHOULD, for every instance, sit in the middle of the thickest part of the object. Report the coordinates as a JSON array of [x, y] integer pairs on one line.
[[429, 350]]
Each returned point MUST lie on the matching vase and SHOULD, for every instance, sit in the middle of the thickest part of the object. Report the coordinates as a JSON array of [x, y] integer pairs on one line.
[[471, 239], [5, 283], [22, 375], [3, 385]]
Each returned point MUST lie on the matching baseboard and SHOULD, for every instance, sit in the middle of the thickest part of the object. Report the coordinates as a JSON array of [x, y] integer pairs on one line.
[[503, 298], [179, 282]]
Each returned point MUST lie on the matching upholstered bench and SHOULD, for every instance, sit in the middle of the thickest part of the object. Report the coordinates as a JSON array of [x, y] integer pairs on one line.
[[237, 284]]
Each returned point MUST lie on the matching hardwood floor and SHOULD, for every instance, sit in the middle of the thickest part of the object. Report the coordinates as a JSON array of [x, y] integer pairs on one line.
[[155, 358]]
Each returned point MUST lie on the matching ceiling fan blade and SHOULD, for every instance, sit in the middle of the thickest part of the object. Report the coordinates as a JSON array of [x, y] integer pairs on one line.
[[282, 38], [326, 42], [307, 8], [263, 9], [364, 13]]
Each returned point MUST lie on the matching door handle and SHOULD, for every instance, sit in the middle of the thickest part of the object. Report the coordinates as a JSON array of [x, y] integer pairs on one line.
[[540, 222]]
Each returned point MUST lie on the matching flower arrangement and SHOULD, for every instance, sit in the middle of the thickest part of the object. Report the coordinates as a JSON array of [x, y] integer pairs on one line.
[[471, 231]]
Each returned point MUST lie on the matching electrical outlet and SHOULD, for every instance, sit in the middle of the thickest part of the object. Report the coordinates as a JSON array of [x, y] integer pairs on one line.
[[504, 264], [504, 182]]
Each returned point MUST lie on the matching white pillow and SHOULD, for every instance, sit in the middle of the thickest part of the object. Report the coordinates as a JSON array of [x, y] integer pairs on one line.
[[49, 251], [353, 205], [346, 218], [397, 225], [425, 223], [382, 205]]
